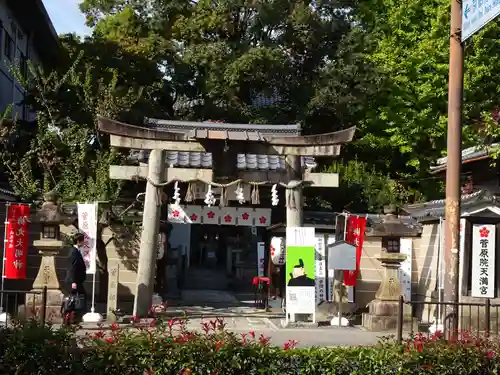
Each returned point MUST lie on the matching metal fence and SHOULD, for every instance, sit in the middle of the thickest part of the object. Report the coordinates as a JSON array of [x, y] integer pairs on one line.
[[22, 304], [481, 318]]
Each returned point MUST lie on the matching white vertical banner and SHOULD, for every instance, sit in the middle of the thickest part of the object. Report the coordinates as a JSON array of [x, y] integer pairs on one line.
[[260, 258], [440, 274], [320, 268], [404, 272], [461, 272], [331, 272], [87, 225], [483, 260]]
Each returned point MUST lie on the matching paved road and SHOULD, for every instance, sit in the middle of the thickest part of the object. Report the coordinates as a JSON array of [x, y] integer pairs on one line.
[[306, 337]]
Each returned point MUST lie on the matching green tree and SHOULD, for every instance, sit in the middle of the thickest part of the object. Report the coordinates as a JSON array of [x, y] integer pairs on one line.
[[61, 150]]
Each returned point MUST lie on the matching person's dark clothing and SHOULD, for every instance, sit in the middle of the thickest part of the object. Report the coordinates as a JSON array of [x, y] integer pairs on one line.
[[301, 281], [77, 272]]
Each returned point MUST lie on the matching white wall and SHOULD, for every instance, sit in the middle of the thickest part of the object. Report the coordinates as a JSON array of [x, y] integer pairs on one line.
[[11, 92]]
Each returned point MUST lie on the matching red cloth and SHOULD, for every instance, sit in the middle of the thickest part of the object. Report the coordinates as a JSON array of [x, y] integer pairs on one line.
[[355, 235], [257, 280]]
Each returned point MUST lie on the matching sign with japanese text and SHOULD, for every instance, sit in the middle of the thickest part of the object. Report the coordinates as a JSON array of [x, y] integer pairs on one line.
[[476, 14], [16, 241], [463, 224], [87, 225], [483, 261], [404, 272], [355, 235], [261, 260], [300, 270], [320, 268]]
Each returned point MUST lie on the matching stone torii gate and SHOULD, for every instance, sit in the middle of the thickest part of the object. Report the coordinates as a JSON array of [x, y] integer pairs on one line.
[[224, 141]]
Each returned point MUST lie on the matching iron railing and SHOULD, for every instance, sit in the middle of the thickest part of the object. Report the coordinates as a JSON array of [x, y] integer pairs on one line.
[[481, 318], [18, 304]]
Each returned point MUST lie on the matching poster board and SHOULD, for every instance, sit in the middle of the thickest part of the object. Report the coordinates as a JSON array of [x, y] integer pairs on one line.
[[300, 272]]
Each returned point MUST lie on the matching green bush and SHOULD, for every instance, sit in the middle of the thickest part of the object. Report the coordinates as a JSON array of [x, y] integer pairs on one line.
[[168, 348]]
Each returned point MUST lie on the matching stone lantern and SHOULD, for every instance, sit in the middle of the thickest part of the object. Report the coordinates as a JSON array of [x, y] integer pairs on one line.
[[383, 310], [49, 217]]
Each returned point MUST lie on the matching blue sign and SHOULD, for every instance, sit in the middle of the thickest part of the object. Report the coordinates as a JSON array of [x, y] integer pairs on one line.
[[476, 14]]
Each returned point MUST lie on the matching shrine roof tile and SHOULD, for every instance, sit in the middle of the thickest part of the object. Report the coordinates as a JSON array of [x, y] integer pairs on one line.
[[204, 160], [252, 132], [436, 208]]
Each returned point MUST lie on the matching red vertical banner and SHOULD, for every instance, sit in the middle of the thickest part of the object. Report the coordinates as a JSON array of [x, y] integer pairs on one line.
[[16, 241], [355, 234]]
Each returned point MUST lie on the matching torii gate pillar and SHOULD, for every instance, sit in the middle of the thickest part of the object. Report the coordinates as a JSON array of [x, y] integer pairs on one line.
[[149, 236], [294, 197]]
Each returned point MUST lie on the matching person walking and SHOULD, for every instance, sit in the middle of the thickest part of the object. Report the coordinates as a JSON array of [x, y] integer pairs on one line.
[[77, 271]]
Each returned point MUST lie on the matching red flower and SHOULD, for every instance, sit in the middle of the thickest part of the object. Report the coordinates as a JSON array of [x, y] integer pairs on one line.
[[194, 217], [186, 372], [291, 344], [150, 372], [484, 232], [115, 327], [228, 218], [109, 340], [264, 340], [491, 354], [175, 213], [218, 345], [252, 333], [211, 215], [262, 220], [245, 216]]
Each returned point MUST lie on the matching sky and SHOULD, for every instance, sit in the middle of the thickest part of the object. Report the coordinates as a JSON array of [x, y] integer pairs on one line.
[[66, 16]]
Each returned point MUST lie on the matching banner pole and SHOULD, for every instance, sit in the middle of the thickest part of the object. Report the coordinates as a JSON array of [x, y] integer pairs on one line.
[[7, 204], [341, 278], [93, 317]]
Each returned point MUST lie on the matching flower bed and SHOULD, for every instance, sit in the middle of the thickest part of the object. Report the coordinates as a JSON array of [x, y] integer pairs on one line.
[[167, 347]]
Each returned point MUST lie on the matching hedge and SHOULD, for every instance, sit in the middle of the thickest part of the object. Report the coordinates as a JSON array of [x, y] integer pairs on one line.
[[167, 347]]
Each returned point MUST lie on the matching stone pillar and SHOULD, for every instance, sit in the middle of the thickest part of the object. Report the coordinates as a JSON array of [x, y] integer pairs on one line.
[[46, 276], [294, 197], [50, 217], [383, 310], [149, 235]]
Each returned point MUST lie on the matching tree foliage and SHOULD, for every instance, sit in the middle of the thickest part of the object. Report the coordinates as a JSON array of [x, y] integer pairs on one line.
[[61, 149], [379, 64]]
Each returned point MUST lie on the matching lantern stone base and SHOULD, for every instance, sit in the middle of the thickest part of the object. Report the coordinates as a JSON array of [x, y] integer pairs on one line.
[[384, 309], [34, 305], [383, 316]]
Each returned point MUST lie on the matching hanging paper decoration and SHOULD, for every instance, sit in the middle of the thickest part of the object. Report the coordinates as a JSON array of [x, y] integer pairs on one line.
[[278, 251], [209, 197], [193, 214], [274, 195], [228, 216], [177, 195], [240, 196], [262, 217], [211, 215], [175, 214], [245, 216]]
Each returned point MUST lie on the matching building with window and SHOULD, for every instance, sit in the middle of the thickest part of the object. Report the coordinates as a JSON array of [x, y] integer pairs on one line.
[[26, 34]]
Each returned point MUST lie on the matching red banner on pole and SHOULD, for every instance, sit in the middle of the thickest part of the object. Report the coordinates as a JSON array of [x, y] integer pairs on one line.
[[16, 244], [355, 234]]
